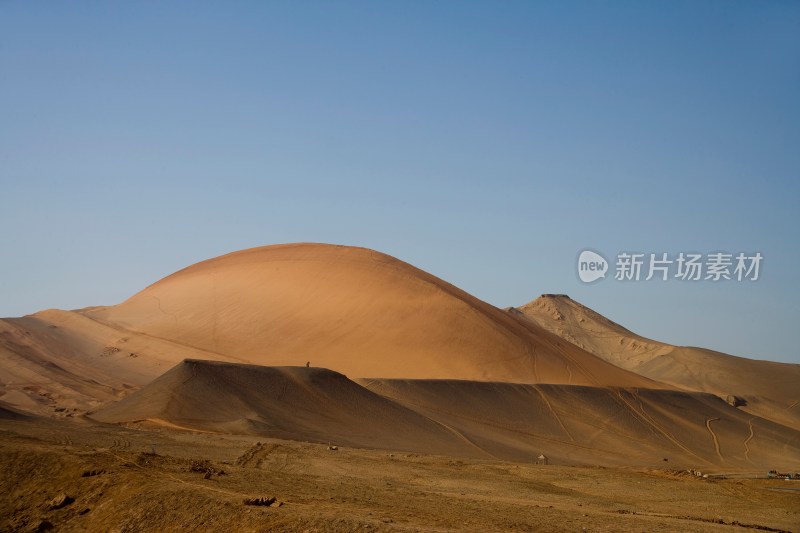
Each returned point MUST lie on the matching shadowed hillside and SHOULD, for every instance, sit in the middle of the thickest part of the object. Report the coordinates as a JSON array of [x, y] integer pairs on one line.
[[570, 424], [298, 403], [763, 388], [592, 425]]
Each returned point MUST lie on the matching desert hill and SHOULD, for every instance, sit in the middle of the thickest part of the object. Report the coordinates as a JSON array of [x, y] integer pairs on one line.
[[297, 403], [599, 425], [570, 424], [765, 388], [429, 368], [60, 362], [352, 310]]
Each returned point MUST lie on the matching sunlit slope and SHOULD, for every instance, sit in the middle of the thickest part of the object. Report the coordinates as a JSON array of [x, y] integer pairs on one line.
[[355, 311], [62, 363]]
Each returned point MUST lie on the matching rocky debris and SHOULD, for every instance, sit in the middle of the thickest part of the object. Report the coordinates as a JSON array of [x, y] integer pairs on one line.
[[205, 467], [249, 455], [109, 350], [92, 473], [62, 500], [735, 401], [268, 501]]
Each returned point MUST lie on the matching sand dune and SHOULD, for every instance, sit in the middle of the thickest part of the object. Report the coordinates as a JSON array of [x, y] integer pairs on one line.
[[298, 403], [769, 389], [56, 361], [436, 370], [349, 309], [355, 311], [570, 424], [592, 425]]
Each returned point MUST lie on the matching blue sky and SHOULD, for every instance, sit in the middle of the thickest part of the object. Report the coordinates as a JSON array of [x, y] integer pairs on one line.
[[485, 142]]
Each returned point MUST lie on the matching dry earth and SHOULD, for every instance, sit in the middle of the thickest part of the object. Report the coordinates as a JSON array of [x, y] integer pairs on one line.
[[199, 481]]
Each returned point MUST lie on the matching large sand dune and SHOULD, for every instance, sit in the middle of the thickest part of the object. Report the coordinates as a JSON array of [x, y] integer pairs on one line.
[[767, 389], [430, 368], [570, 424], [355, 311]]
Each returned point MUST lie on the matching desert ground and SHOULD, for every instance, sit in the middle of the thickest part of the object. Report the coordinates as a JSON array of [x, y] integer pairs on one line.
[[340, 389], [200, 481]]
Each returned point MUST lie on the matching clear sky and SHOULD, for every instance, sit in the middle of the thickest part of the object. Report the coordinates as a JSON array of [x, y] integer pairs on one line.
[[485, 142]]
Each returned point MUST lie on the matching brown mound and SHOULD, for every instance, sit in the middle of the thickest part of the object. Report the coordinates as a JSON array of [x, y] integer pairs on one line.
[[569, 424], [297, 403], [770, 390], [601, 426], [353, 310]]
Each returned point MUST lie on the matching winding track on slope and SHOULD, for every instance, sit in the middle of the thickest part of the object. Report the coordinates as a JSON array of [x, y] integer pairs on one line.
[[714, 436], [644, 417], [748, 439]]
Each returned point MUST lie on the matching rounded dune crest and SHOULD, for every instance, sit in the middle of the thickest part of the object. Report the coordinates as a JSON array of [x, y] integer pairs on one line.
[[353, 310]]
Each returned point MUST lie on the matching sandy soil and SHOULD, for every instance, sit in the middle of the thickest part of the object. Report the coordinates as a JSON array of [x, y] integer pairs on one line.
[[200, 481]]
